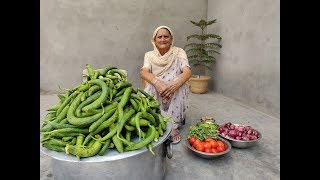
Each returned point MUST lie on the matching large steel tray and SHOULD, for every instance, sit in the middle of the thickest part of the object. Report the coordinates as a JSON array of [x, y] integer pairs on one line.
[[110, 155]]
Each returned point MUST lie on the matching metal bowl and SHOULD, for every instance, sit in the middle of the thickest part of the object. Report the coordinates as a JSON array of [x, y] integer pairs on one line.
[[240, 143], [209, 155]]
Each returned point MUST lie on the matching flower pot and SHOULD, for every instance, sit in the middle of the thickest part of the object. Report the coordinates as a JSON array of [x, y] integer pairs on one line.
[[199, 85]]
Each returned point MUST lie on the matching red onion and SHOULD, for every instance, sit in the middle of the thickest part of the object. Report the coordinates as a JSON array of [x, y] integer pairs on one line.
[[240, 128], [254, 132], [240, 132], [232, 133], [227, 125], [221, 129], [238, 138], [246, 128], [253, 137]]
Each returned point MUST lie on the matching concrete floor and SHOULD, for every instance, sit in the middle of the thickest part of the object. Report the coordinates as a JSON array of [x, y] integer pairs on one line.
[[257, 163]]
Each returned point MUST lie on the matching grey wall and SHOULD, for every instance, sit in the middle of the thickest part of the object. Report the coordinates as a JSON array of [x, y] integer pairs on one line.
[[248, 68], [76, 32], [99, 32]]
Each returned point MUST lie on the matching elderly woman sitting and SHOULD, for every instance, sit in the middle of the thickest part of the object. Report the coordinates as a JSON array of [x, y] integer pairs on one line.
[[166, 70]]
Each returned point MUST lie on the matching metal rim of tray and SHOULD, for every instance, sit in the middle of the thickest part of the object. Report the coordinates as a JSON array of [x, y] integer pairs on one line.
[[111, 154]]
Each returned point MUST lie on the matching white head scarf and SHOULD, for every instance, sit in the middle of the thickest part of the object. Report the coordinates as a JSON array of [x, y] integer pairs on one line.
[[165, 61]]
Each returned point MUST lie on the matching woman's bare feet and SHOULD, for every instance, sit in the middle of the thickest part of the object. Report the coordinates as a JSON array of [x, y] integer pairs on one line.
[[175, 136]]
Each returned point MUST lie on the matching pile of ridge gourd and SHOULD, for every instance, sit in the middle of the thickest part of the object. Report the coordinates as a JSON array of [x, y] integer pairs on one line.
[[103, 112]]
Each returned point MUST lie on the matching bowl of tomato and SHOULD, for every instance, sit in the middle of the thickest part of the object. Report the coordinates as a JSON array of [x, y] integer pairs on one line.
[[208, 148]]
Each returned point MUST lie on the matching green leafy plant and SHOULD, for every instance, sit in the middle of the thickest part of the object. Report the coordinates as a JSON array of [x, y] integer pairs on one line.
[[201, 53], [204, 130]]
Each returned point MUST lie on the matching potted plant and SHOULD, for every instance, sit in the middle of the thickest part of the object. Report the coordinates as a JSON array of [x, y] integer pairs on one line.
[[201, 55]]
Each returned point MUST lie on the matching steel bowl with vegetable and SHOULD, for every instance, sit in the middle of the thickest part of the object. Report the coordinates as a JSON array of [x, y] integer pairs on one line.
[[102, 113], [210, 155], [239, 136], [204, 141]]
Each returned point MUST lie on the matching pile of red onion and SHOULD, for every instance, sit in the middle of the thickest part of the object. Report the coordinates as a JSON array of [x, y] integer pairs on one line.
[[238, 132]]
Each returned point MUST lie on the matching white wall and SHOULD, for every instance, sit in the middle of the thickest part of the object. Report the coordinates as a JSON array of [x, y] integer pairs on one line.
[[100, 33], [248, 68]]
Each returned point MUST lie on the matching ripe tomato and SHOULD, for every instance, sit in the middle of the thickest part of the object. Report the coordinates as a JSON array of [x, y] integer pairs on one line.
[[200, 147], [214, 150], [214, 144], [220, 143], [195, 143], [207, 145], [208, 140], [207, 150], [192, 140], [220, 148]]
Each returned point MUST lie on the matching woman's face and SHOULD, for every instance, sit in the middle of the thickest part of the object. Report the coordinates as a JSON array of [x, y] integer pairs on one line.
[[163, 40]]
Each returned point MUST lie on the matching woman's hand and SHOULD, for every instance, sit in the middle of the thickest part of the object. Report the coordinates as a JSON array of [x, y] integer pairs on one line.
[[171, 89], [160, 86], [177, 83]]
